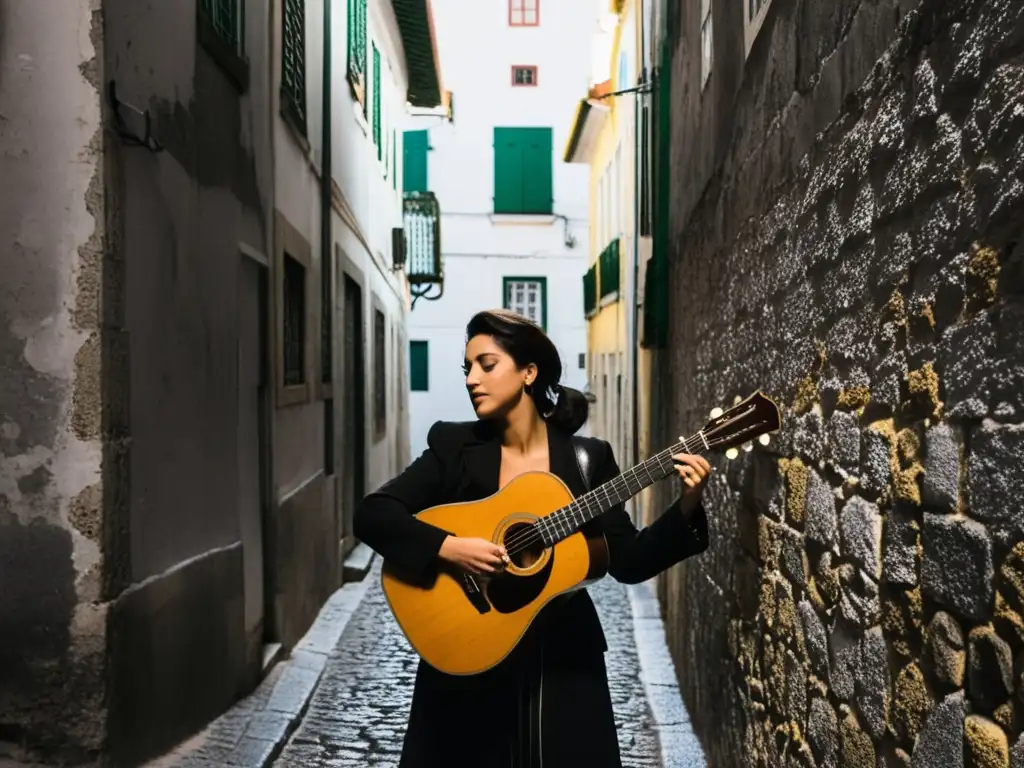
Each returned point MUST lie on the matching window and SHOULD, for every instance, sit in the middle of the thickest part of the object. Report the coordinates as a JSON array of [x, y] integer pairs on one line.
[[293, 63], [357, 49], [753, 16], [419, 373], [414, 161], [523, 13], [583, 360], [524, 75], [376, 100], [294, 315], [394, 160], [706, 42], [522, 170], [225, 16], [380, 364], [645, 170], [527, 296]]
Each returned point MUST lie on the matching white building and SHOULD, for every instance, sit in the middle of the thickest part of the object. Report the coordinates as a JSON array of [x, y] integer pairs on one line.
[[513, 216]]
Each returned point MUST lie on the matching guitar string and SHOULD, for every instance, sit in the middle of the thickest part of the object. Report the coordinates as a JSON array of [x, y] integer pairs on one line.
[[550, 524], [528, 538]]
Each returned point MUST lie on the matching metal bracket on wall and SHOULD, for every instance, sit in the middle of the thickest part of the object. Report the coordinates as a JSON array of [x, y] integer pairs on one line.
[[422, 292], [128, 135]]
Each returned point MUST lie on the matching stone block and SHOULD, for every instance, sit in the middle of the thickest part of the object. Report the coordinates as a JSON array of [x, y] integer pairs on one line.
[[941, 487], [821, 525], [989, 669], [965, 355], [941, 740], [926, 92], [843, 441], [1017, 753], [911, 702], [957, 568], [815, 639], [985, 743], [860, 525], [844, 652], [944, 650], [859, 601], [900, 549], [995, 475], [856, 749], [809, 436], [872, 684], [876, 460], [823, 733], [888, 378]]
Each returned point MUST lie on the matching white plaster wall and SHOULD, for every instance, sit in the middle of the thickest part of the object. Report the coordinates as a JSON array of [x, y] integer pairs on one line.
[[480, 249]]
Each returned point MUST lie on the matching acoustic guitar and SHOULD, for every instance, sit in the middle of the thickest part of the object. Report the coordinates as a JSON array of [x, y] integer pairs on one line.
[[463, 624]]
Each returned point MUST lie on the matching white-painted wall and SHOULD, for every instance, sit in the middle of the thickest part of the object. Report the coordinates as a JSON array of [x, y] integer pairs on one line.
[[478, 248]]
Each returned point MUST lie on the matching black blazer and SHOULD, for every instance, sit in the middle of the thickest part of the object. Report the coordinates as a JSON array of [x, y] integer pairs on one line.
[[462, 463]]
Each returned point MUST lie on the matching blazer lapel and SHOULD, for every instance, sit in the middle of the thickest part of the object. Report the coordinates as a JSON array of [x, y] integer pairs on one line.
[[482, 462]]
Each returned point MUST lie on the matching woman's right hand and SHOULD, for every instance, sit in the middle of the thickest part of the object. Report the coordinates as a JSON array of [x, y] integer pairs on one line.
[[478, 556]]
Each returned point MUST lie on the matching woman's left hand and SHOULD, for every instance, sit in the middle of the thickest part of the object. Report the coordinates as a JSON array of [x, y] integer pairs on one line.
[[694, 470]]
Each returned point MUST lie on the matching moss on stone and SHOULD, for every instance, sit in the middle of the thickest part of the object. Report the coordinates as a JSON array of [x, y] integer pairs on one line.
[[796, 491], [852, 398], [896, 310], [902, 616], [855, 747], [911, 702], [806, 395], [827, 579], [928, 314], [985, 744], [1005, 715], [982, 276], [1009, 623], [923, 388], [1012, 577]]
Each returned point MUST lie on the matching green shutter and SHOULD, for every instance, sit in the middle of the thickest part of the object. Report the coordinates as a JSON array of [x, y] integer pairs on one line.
[[376, 99], [537, 170], [523, 168], [225, 17], [419, 369], [414, 161], [394, 160], [508, 170], [293, 61]]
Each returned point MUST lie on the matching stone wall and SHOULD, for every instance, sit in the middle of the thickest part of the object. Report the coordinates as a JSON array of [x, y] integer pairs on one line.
[[862, 600]]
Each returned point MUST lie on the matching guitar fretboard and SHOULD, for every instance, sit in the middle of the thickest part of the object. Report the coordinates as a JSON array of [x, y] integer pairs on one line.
[[566, 521]]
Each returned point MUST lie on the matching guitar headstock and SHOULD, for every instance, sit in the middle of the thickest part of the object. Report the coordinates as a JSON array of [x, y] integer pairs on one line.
[[754, 418]]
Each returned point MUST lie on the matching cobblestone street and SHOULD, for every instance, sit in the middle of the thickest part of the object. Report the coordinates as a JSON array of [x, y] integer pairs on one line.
[[357, 715]]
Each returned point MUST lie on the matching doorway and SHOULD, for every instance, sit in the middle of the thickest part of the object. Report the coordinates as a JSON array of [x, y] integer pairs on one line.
[[354, 409], [253, 435]]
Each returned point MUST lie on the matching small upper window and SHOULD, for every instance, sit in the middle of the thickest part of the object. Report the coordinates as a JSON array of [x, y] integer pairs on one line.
[[754, 12], [524, 75], [706, 42], [523, 13]]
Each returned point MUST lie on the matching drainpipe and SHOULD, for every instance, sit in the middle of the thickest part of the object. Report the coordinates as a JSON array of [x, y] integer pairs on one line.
[[635, 298], [327, 249]]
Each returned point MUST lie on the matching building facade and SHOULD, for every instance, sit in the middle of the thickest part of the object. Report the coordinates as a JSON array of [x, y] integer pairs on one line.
[[842, 230], [184, 427], [514, 220]]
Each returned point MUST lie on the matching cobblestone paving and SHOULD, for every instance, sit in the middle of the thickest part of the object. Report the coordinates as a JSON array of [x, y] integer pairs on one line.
[[357, 716]]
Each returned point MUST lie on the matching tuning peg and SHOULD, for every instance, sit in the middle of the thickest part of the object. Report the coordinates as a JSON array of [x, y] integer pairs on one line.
[[737, 400], [716, 412], [731, 454], [748, 447], [764, 439]]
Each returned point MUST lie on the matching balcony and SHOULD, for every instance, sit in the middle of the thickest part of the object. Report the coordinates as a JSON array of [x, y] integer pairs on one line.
[[421, 233]]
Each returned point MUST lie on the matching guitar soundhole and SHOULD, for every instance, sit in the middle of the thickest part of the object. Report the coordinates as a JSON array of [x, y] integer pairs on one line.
[[518, 535]]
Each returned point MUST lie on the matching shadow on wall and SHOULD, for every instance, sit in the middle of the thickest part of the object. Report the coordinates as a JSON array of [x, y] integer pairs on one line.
[[863, 599]]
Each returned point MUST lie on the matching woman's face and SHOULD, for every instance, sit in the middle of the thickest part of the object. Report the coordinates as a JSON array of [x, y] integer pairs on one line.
[[494, 382]]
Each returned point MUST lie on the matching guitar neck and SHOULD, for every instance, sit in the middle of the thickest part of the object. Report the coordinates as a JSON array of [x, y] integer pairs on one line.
[[569, 519]]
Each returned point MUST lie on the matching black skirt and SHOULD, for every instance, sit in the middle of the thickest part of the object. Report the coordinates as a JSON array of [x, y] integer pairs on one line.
[[545, 707]]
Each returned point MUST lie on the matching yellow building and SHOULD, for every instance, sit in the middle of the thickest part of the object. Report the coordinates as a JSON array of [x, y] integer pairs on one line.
[[604, 137]]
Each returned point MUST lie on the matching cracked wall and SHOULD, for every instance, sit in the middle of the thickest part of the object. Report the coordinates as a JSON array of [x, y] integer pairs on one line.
[[52, 224], [852, 246]]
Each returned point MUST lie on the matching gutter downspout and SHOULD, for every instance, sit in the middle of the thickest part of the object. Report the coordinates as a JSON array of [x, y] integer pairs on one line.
[[638, 176], [327, 250]]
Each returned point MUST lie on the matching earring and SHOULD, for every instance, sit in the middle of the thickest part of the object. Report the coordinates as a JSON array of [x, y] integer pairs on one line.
[[528, 388]]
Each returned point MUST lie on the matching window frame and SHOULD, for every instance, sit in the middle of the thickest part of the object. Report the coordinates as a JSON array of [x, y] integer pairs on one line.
[[522, 10], [752, 23], [532, 68], [375, 96], [229, 54], [356, 38], [379, 332], [707, 41], [542, 281]]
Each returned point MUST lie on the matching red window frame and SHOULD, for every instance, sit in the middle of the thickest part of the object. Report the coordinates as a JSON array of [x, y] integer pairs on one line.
[[531, 67], [517, 10]]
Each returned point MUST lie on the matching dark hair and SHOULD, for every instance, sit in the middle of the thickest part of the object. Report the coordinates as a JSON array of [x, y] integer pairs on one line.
[[526, 343]]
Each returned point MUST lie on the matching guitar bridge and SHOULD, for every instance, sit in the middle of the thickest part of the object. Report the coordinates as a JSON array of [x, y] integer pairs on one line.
[[474, 594]]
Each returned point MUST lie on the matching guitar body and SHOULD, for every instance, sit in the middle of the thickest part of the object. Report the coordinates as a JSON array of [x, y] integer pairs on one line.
[[462, 624]]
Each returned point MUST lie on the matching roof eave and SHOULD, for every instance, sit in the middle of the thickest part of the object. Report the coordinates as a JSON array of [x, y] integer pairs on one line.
[[419, 41]]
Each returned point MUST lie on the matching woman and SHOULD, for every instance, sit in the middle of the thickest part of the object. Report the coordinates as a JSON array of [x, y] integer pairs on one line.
[[548, 703]]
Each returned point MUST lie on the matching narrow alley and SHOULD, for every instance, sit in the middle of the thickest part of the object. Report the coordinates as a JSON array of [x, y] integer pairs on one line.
[[354, 714]]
